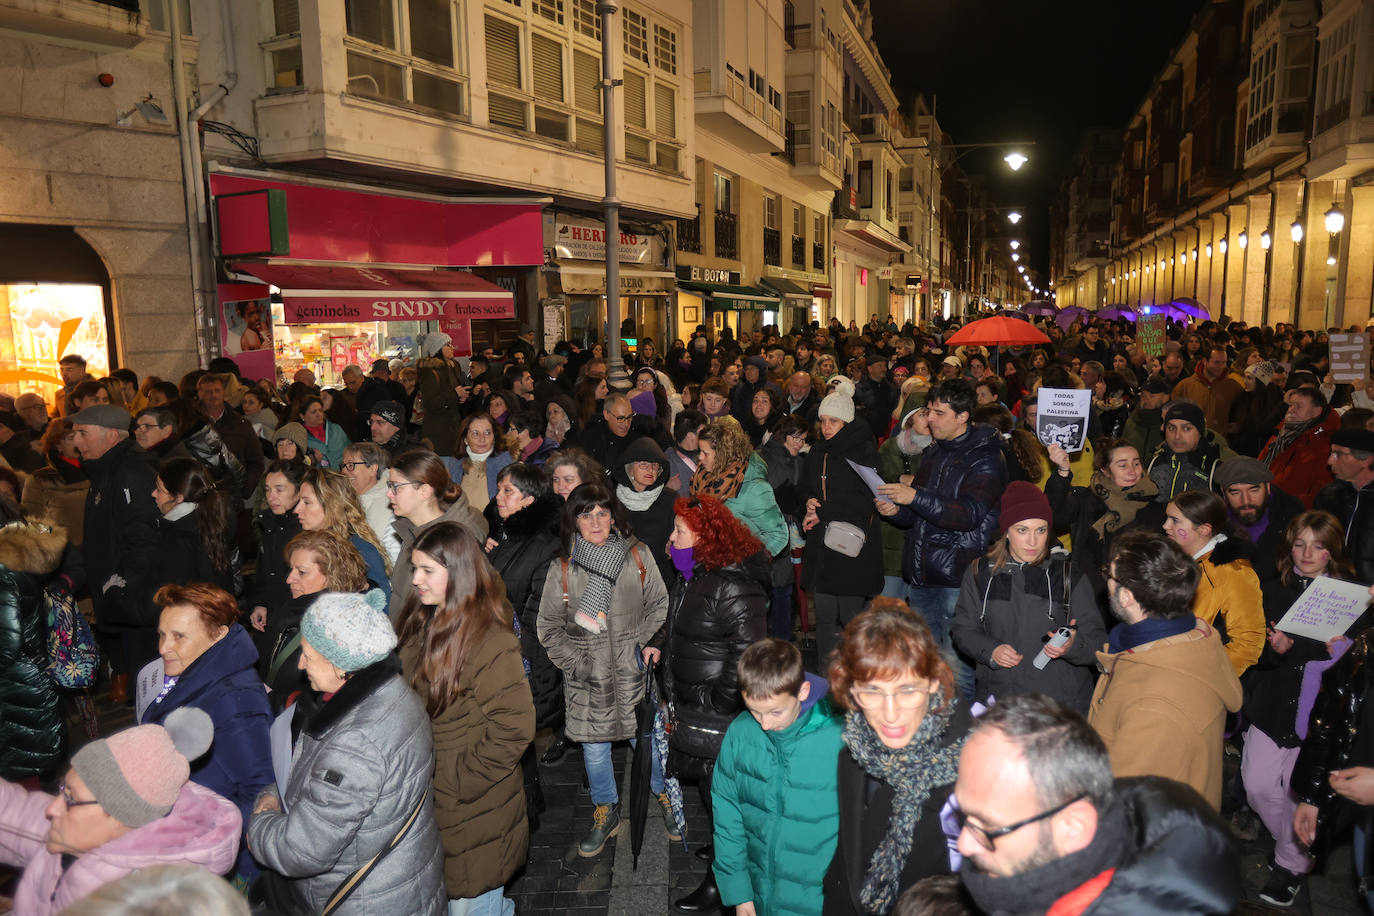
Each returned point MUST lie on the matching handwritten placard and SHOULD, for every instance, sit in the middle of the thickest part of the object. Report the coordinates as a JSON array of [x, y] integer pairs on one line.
[[1326, 609], [1061, 417], [1149, 334], [1350, 357]]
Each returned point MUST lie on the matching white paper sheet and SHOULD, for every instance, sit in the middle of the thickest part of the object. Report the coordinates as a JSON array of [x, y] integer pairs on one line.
[[280, 737], [869, 477], [1326, 609]]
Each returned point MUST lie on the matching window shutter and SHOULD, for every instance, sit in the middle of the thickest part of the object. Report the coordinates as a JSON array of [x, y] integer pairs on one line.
[[546, 58], [636, 114], [586, 81], [287, 15], [503, 52], [665, 110]]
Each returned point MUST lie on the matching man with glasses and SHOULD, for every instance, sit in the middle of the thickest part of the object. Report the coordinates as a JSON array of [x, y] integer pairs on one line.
[[607, 435], [1167, 685], [1351, 496], [1043, 826]]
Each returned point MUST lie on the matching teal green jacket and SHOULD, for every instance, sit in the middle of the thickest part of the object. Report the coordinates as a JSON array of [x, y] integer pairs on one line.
[[776, 811], [757, 507]]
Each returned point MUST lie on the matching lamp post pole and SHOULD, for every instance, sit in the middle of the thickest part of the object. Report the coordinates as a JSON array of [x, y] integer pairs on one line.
[[615, 364]]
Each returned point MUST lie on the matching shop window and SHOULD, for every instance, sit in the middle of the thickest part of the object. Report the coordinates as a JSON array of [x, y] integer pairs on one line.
[[31, 319]]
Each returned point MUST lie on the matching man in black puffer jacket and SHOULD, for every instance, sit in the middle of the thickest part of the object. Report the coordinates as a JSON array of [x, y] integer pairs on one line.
[[1079, 840], [950, 510]]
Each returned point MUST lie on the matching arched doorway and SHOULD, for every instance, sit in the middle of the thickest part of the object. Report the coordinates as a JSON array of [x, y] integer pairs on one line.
[[49, 275]]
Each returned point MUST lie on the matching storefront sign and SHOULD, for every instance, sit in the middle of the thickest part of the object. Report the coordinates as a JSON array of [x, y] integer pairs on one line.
[[585, 239], [460, 330], [340, 309], [336, 295], [632, 282], [699, 274]]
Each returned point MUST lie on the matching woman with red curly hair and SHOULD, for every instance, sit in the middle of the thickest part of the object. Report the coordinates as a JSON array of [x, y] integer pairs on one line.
[[903, 732], [717, 608]]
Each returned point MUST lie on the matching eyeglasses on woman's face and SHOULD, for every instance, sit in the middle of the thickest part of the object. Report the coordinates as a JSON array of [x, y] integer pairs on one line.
[[394, 486], [908, 696]]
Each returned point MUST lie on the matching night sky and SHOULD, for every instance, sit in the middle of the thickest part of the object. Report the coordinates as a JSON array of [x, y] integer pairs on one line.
[[1041, 70]]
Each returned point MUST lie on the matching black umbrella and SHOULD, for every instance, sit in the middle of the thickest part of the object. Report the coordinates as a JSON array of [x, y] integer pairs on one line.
[[641, 762]]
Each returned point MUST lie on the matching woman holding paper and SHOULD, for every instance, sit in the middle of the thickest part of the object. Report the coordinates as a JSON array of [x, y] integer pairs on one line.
[[1229, 588], [1314, 545]]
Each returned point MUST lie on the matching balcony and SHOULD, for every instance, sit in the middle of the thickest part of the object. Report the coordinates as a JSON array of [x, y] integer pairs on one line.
[[789, 144], [727, 235], [725, 105], [843, 206], [772, 247], [689, 233], [1276, 134], [111, 23], [798, 251], [1336, 114]]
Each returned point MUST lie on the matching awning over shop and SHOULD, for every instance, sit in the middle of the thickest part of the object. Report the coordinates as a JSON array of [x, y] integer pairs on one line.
[[870, 232], [313, 294], [822, 290], [786, 288], [589, 279], [727, 297]]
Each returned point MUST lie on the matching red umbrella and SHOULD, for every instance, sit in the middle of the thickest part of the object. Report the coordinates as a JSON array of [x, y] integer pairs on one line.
[[997, 331]]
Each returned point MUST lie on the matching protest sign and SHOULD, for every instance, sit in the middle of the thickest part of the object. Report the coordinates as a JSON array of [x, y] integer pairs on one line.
[[1350, 357], [1061, 417], [1149, 334], [1326, 609]]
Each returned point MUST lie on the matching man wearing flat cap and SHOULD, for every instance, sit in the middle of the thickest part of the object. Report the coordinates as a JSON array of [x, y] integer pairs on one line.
[[1350, 497], [1257, 508]]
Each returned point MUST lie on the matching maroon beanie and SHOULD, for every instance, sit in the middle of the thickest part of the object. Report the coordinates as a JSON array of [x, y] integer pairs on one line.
[[1021, 501]]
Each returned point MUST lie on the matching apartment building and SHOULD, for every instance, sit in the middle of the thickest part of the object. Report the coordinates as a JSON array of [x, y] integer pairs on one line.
[[1081, 221], [1244, 173]]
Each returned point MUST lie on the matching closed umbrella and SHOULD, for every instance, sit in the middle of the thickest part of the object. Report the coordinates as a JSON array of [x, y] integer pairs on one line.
[[641, 762], [998, 330], [671, 787]]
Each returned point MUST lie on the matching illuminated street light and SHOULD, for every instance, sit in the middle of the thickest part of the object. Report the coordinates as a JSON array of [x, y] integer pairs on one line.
[[1195, 253], [1335, 219], [1222, 244], [1266, 240], [1243, 240], [1015, 161], [1013, 217], [1295, 230], [1014, 244], [1015, 256], [1209, 249]]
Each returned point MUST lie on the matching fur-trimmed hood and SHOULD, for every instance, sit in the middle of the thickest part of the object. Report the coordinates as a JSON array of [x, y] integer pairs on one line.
[[540, 515], [32, 547]]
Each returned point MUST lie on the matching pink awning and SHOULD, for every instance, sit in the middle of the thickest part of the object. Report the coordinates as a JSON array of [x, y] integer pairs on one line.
[[322, 295]]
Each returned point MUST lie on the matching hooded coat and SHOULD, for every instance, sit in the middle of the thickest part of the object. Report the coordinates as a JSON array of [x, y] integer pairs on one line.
[[650, 512], [1161, 708], [601, 674], [953, 517], [479, 738], [844, 497], [526, 543], [269, 588], [362, 763], [33, 733], [712, 618], [757, 507], [742, 397], [1018, 604], [1230, 590], [202, 829]]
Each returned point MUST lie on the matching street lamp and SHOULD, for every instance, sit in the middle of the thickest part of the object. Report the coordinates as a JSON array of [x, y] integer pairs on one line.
[[1209, 249], [1295, 230], [1335, 219], [1015, 161], [1013, 217], [1266, 240], [1243, 240], [1014, 244], [1015, 256], [1222, 245]]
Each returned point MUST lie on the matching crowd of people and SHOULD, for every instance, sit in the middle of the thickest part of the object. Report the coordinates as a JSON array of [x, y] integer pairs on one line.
[[345, 617]]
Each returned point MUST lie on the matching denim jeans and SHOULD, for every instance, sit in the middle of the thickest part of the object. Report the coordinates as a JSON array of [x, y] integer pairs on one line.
[[596, 759], [936, 605], [493, 903], [894, 587]]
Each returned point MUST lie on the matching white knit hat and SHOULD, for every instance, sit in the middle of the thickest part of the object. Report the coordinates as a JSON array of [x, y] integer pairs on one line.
[[841, 384], [348, 631], [837, 405]]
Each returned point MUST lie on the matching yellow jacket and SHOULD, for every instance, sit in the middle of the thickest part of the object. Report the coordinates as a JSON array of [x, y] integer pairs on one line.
[[1229, 589]]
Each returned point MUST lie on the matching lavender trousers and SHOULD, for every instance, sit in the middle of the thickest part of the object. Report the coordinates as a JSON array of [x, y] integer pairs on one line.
[[1265, 769]]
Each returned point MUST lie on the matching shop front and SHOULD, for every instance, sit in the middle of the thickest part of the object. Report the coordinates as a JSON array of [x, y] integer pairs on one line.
[[54, 300], [328, 274], [798, 304], [720, 300], [576, 275]]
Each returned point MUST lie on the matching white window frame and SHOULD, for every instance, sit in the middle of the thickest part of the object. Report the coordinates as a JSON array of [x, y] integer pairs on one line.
[[401, 56]]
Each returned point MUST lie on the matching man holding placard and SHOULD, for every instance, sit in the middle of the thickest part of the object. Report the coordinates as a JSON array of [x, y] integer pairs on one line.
[[1351, 496]]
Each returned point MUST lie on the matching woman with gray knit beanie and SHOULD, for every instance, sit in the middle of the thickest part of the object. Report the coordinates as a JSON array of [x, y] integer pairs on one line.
[[602, 602], [360, 779]]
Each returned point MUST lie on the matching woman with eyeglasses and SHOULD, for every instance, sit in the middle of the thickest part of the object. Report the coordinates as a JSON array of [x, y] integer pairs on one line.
[[327, 503], [603, 600], [904, 729], [422, 494], [483, 453], [646, 379]]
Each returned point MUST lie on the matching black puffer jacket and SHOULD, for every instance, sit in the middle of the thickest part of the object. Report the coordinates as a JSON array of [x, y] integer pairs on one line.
[[32, 732], [844, 498], [120, 535], [953, 517], [525, 545], [181, 560], [653, 523], [712, 619], [1355, 509], [274, 533], [1340, 734]]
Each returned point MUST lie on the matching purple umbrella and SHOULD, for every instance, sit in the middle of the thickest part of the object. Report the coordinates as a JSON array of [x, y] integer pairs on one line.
[[1115, 312], [1070, 313], [1039, 307], [1192, 307], [1170, 310]]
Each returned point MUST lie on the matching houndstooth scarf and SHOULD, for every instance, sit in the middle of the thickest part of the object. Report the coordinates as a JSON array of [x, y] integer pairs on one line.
[[912, 771], [603, 563]]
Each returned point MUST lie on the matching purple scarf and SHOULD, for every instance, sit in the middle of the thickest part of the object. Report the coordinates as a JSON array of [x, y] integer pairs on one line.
[[682, 559]]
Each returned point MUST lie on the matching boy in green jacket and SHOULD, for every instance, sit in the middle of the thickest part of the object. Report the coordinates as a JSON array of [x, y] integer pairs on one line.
[[774, 799]]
